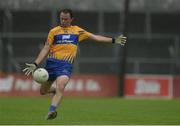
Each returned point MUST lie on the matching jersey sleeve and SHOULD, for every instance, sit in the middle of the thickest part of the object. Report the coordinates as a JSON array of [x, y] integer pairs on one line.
[[50, 37], [83, 34]]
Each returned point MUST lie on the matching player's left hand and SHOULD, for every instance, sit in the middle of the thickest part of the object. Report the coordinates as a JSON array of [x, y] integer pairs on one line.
[[30, 68], [121, 40]]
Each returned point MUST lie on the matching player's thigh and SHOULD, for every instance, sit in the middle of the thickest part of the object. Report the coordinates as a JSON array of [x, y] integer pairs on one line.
[[46, 86]]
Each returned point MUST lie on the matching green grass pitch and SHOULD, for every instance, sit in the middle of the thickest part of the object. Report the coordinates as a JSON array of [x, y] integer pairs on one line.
[[94, 111]]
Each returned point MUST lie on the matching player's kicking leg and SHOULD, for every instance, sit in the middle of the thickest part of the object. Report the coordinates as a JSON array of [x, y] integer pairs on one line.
[[46, 88], [61, 82]]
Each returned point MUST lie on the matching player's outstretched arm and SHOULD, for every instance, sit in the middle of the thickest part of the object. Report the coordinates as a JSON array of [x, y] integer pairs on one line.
[[118, 40], [30, 67]]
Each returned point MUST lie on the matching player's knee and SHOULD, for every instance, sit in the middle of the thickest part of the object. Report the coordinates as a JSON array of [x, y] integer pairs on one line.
[[61, 87], [61, 83]]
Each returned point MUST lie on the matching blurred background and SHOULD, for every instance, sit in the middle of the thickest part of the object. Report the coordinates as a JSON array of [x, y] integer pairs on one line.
[[153, 33], [152, 27]]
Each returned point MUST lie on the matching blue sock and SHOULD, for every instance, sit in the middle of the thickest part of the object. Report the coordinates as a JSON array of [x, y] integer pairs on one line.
[[52, 108]]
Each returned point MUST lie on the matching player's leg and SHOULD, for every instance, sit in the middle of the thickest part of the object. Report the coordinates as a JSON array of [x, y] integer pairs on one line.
[[61, 83], [47, 88]]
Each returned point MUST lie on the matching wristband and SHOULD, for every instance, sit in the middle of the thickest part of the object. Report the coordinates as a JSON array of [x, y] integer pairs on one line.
[[35, 64]]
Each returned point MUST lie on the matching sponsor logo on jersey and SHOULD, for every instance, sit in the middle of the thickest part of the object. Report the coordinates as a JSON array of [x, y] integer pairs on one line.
[[66, 39]]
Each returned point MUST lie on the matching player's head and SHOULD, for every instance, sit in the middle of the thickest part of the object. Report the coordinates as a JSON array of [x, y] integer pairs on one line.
[[66, 17]]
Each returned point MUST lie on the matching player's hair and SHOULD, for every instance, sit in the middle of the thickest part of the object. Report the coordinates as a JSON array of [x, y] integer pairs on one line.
[[66, 11]]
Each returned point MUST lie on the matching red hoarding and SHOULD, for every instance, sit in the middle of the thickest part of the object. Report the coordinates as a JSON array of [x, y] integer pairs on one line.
[[148, 86], [92, 85], [176, 86], [17, 85], [96, 85], [81, 85]]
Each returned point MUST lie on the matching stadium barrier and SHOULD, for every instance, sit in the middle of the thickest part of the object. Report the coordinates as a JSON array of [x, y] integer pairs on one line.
[[159, 86], [141, 86], [81, 85]]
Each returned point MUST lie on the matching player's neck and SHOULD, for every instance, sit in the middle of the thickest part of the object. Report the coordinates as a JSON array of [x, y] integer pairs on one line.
[[65, 26]]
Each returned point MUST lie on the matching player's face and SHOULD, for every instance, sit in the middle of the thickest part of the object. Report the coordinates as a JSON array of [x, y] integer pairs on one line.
[[65, 19]]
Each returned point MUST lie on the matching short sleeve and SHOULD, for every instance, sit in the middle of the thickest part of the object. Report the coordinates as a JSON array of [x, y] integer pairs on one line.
[[83, 34], [50, 37]]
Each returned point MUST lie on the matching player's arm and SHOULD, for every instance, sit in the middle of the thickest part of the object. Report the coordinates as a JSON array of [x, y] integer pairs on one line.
[[43, 53], [30, 67], [99, 38]]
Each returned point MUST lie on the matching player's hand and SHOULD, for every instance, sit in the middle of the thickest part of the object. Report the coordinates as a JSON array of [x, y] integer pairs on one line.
[[30, 68], [120, 40]]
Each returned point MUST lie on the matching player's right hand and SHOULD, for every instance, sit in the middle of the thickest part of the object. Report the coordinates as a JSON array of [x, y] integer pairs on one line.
[[30, 68]]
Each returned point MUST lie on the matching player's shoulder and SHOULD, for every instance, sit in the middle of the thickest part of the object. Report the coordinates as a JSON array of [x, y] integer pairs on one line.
[[80, 30], [54, 29], [76, 27]]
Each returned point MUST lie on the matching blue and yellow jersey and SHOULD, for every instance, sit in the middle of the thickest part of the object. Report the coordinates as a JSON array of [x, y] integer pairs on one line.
[[64, 41]]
